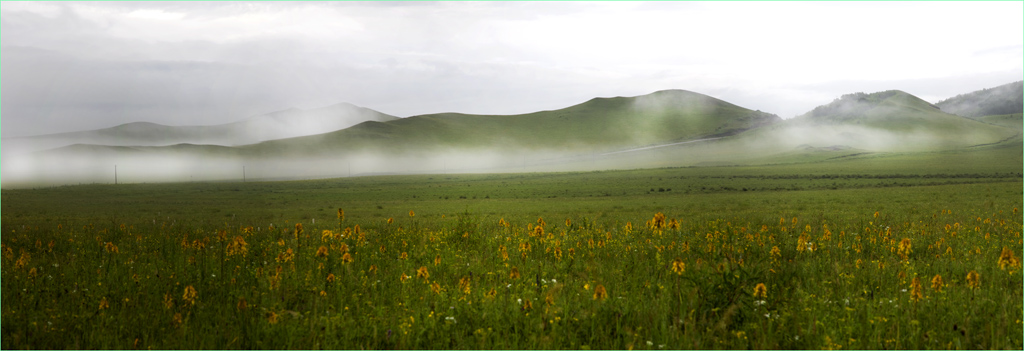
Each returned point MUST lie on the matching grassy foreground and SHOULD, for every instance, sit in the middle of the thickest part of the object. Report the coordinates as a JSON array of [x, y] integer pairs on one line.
[[870, 254]]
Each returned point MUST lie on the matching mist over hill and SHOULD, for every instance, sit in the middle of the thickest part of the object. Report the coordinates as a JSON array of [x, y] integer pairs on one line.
[[1001, 100], [275, 125], [596, 125], [661, 129]]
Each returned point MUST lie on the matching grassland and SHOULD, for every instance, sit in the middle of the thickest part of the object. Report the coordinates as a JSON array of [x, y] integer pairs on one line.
[[850, 253]]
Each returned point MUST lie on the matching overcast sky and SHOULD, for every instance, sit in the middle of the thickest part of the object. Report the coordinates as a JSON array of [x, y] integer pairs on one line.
[[84, 65]]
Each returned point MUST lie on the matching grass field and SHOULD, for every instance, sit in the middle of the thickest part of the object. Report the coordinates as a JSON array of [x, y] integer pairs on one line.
[[880, 251]]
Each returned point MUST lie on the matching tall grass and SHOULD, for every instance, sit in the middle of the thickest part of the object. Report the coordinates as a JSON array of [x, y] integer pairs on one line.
[[841, 279]]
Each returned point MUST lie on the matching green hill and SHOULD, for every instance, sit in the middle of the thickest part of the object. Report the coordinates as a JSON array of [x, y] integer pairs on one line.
[[598, 124], [884, 121], [665, 129], [892, 109], [1002, 100]]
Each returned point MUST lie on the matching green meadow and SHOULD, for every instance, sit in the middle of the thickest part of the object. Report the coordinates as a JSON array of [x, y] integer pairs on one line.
[[869, 251]]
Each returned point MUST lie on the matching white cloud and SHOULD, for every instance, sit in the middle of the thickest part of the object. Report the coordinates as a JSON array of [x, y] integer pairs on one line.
[[500, 58]]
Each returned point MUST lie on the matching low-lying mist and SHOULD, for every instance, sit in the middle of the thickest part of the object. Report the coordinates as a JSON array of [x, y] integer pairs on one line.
[[51, 169], [867, 138], [184, 163]]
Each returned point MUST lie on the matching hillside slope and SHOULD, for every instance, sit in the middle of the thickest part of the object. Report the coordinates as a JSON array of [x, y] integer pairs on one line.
[[884, 121], [1002, 100], [601, 123]]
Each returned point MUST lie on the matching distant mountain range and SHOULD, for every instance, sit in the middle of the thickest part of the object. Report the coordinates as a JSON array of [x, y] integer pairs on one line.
[[670, 123]]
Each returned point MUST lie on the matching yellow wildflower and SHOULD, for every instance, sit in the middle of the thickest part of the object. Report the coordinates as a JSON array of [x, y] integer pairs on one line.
[[915, 290], [321, 251], [237, 246], [1007, 258], [190, 295], [678, 266], [760, 290], [973, 280], [658, 222], [464, 285], [937, 282], [600, 293], [904, 248], [168, 301]]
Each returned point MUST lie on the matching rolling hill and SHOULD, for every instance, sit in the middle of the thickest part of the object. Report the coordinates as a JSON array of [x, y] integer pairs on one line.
[[598, 124], [1002, 100], [668, 128], [275, 125], [884, 121]]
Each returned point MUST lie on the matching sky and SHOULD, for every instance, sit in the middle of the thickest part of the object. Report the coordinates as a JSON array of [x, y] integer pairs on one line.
[[69, 66]]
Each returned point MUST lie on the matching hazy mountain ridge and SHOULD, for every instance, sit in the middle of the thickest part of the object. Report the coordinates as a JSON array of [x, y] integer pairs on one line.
[[890, 120], [668, 128], [275, 125], [599, 123], [1001, 100]]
